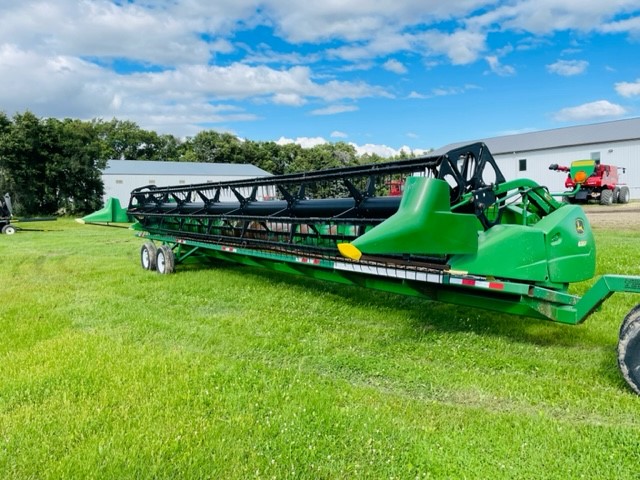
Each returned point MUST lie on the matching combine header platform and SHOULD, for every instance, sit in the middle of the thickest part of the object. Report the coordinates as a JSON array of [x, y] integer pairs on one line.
[[459, 233]]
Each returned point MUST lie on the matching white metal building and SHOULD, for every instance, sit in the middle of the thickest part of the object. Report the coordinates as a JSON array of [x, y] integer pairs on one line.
[[120, 177], [530, 154]]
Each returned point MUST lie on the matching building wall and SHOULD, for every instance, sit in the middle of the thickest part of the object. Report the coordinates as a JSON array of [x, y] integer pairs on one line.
[[120, 186], [620, 154]]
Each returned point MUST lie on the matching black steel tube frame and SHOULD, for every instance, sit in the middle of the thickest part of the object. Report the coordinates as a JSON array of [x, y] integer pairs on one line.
[[347, 205]]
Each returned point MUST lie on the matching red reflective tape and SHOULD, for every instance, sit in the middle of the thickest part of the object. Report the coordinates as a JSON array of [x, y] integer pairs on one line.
[[468, 281], [497, 286], [314, 261]]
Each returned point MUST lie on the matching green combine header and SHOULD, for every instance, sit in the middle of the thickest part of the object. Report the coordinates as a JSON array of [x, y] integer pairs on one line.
[[460, 233]]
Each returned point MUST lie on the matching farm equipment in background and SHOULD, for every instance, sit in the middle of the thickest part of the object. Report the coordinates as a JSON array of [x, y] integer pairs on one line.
[[6, 217], [589, 180], [396, 187], [6, 212], [460, 233]]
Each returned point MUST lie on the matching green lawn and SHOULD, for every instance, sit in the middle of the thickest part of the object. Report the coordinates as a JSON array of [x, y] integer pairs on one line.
[[225, 372]]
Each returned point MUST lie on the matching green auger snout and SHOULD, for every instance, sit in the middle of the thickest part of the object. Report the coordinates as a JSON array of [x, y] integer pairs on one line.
[[112, 212], [423, 225]]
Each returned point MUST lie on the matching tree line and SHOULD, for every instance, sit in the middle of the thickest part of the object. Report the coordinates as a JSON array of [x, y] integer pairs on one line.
[[52, 166]]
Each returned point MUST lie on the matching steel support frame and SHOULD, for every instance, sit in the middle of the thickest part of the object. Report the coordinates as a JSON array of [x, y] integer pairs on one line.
[[510, 297]]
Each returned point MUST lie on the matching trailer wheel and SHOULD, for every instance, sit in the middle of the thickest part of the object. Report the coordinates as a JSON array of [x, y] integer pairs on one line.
[[165, 260], [629, 349], [9, 230], [606, 197], [148, 254], [624, 196]]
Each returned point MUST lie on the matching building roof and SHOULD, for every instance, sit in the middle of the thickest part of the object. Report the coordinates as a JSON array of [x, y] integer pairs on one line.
[[616, 131], [146, 167]]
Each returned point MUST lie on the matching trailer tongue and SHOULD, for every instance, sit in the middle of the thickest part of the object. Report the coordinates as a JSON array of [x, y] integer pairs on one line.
[[459, 233]]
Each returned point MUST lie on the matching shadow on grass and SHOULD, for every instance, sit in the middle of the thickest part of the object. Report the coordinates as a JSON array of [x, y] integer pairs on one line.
[[421, 317], [424, 315]]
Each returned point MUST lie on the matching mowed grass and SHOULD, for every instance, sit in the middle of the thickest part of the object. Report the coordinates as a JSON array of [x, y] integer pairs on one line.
[[110, 371]]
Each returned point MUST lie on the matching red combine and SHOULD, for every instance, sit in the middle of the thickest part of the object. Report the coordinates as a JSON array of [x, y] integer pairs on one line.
[[589, 180]]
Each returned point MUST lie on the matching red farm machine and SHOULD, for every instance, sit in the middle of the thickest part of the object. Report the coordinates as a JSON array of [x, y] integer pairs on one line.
[[460, 233], [589, 180]]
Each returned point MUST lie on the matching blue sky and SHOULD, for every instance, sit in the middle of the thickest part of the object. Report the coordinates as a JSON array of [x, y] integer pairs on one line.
[[382, 75]]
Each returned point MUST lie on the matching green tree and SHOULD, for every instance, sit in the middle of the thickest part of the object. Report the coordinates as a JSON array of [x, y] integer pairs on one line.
[[213, 147], [49, 165], [74, 169], [169, 148], [23, 158]]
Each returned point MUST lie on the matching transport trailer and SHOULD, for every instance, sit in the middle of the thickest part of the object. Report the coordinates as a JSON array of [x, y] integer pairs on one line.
[[460, 233]]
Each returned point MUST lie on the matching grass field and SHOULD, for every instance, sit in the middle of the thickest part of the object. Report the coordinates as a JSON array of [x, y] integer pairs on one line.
[[228, 372]]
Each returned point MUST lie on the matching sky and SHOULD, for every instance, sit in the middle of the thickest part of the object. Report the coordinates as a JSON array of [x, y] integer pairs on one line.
[[383, 75]]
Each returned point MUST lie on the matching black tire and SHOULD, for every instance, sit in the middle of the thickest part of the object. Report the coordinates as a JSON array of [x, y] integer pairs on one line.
[[616, 195], [148, 254], [632, 316], [625, 195], [606, 197], [9, 229], [165, 260], [629, 352]]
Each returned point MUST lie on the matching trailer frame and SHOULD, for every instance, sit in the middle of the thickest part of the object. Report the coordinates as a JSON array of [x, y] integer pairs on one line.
[[459, 288], [447, 239]]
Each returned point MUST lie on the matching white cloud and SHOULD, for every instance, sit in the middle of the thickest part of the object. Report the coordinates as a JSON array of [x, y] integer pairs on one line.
[[590, 111], [385, 150], [371, 148], [386, 42], [62, 58], [628, 89], [498, 68], [359, 20], [65, 86], [304, 142], [244, 81], [394, 66], [546, 16], [334, 109], [42, 81], [368, 148], [162, 35], [417, 95], [568, 68], [338, 134], [628, 25], [444, 91], [291, 99], [462, 46]]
